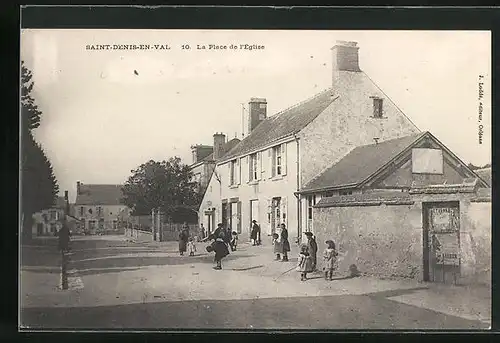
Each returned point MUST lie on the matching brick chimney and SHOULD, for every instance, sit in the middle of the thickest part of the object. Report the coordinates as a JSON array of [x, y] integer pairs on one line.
[[219, 142], [345, 57], [257, 112], [78, 190]]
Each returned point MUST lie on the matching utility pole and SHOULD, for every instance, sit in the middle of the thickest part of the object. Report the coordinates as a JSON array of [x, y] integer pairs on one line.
[[64, 244]]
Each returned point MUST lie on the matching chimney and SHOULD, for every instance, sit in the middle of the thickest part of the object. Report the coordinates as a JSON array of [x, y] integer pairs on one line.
[[194, 152], [257, 112], [345, 57], [78, 191], [219, 142]]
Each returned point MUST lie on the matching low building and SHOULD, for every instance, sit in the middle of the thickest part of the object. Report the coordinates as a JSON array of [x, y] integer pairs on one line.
[[49, 221], [406, 207], [99, 207]]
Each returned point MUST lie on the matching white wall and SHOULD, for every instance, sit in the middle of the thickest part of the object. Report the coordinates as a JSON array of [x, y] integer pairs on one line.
[[262, 190]]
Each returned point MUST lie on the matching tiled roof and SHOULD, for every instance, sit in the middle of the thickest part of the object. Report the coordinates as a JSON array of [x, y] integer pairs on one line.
[[227, 147], [361, 163], [99, 195], [283, 124], [368, 199], [484, 174]]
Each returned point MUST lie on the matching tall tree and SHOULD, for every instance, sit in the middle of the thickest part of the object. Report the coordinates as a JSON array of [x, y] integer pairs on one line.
[[39, 186], [30, 113], [166, 185]]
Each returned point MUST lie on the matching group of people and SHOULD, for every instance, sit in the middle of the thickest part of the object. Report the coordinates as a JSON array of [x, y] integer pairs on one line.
[[223, 240], [307, 261]]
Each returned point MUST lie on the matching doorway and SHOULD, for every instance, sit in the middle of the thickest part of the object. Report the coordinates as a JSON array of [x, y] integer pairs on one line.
[[39, 229], [441, 241], [276, 215]]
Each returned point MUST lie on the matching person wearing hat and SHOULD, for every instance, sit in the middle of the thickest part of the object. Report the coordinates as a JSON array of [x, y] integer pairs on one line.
[[284, 242], [219, 245], [253, 232], [313, 248]]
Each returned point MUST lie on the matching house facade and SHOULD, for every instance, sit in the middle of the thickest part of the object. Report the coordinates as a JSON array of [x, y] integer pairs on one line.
[[99, 207], [49, 221], [260, 177]]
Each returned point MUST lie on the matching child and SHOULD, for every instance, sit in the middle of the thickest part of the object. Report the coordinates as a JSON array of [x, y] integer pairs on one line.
[[278, 247], [330, 260], [192, 245], [234, 240], [304, 264]]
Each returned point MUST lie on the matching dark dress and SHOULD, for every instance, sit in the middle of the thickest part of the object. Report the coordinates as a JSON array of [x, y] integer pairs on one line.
[[313, 251], [183, 239], [253, 234], [220, 244], [284, 240]]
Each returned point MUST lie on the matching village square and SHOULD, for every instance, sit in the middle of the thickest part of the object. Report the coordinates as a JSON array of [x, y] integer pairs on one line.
[[337, 212]]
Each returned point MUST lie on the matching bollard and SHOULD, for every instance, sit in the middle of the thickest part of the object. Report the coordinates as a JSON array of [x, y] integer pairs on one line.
[[64, 270]]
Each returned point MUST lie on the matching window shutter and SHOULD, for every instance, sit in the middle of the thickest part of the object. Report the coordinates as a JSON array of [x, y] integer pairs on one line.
[[249, 169], [229, 172], [272, 162], [239, 217], [239, 161], [283, 159], [259, 166]]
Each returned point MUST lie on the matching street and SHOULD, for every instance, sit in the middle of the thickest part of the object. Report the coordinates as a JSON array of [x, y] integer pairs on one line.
[[120, 284]]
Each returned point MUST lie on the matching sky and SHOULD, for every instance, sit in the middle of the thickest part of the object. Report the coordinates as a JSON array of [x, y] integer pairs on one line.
[[105, 112]]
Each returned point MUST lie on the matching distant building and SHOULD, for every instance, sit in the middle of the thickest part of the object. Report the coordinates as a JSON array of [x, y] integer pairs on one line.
[[99, 207], [49, 221]]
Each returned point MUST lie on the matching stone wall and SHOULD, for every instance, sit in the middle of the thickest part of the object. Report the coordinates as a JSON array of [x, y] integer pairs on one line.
[[383, 240], [387, 240]]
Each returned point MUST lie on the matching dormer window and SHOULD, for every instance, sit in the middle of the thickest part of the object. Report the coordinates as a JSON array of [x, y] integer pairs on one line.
[[378, 107]]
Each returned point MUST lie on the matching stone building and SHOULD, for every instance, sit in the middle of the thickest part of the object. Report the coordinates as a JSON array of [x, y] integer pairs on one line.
[[405, 207], [98, 207], [260, 177], [49, 221]]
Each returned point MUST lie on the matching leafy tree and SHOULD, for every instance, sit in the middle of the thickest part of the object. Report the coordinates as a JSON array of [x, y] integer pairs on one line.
[[38, 183], [165, 185], [30, 113]]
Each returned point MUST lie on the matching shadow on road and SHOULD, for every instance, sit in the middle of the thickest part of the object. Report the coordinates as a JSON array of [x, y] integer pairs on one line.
[[331, 312]]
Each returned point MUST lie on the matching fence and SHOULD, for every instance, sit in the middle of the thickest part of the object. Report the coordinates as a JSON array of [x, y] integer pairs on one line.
[[139, 235]]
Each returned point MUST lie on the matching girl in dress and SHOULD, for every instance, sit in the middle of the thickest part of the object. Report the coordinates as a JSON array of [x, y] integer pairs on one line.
[[304, 264], [329, 260]]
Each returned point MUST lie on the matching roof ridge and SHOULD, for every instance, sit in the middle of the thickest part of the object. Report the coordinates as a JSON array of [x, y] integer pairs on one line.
[[300, 103]]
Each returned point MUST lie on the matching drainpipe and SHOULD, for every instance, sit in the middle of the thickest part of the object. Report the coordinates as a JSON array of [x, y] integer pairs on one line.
[[299, 212]]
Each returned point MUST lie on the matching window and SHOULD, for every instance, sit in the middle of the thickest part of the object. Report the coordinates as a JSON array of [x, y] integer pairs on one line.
[[232, 172], [53, 215], [328, 194], [378, 107], [99, 210], [346, 193], [253, 168], [81, 211], [277, 160], [311, 201]]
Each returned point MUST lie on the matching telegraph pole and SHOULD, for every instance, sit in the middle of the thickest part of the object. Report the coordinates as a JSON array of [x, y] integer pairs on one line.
[[64, 243]]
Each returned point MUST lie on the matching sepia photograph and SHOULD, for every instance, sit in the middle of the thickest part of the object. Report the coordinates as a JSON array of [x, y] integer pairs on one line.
[[255, 180]]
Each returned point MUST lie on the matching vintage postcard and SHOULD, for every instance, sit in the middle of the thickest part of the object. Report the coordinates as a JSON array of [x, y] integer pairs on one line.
[[256, 180]]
